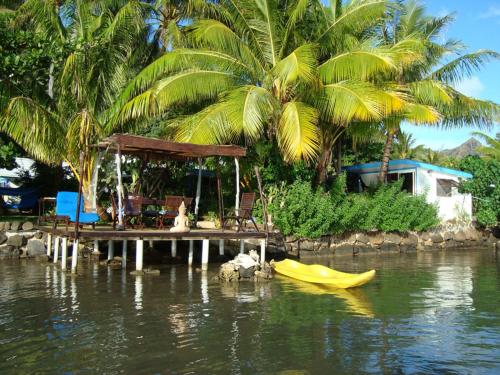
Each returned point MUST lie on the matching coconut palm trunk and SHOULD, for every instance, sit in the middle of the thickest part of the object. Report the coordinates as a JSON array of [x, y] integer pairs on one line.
[[389, 141]]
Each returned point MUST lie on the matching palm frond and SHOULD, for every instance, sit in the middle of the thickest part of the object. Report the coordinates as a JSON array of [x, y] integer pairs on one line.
[[421, 114], [300, 65], [463, 66], [430, 92], [297, 132]]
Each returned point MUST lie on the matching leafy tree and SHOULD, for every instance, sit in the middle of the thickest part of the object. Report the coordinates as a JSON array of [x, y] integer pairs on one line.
[[271, 69], [405, 147], [104, 42], [484, 188], [492, 148], [430, 80]]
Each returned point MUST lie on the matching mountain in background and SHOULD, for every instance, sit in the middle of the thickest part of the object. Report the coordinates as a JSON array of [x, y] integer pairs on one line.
[[467, 148]]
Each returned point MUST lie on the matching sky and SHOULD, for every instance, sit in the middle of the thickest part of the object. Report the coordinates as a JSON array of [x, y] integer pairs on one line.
[[477, 25]]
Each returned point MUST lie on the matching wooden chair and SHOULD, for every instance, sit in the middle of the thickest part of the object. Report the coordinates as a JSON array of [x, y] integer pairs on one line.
[[171, 209], [132, 208], [244, 213]]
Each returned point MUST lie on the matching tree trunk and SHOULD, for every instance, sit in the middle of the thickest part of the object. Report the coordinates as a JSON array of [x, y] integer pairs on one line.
[[391, 133], [338, 156], [325, 159]]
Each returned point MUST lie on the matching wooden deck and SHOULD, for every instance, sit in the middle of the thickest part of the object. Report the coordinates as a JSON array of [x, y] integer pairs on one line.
[[108, 233]]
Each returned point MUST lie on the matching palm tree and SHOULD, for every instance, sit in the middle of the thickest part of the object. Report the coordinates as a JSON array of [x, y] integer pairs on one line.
[[405, 147], [492, 148], [104, 41], [294, 72], [430, 81]]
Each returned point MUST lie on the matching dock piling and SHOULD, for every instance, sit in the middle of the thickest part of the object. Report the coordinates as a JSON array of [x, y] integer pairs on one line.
[[174, 248], [124, 254], [74, 256], [56, 249], [262, 251], [221, 247], [96, 247], [139, 254], [190, 255], [111, 250], [49, 245], [204, 254], [64, 254]]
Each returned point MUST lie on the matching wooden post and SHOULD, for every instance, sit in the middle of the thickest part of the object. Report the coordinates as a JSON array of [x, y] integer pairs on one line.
[[56, 249], [139, 254], [79, 202], [64, 255], [124, 254], [262, 251], [237, 200], [221, 247], [119, 187], [204, 255], [49, 245], [96, 247], [111, 250], [198, 191], [74, 256], [242, 246], [190, 255], [174, 248], [220, 203], [262, 199]]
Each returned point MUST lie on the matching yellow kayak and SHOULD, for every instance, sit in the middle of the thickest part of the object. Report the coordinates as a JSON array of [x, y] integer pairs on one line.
[[319, 274]]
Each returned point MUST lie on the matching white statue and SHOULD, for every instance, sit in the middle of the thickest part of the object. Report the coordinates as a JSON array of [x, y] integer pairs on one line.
[[181, 222]]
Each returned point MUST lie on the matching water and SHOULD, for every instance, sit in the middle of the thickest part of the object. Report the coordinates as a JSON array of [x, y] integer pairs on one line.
[[425, 313]]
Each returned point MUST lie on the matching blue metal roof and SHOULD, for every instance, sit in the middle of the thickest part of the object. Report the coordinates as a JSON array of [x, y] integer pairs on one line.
[[402, 164]]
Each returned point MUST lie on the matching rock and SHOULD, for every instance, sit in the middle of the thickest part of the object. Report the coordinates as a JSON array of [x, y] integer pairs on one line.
[[42, 258], [265, 272], [28, 226], [471, 234], [407, 248], [6, 251], [351, 240], [228, 272], [460, 236], [344, 249], [437, 238], [362, 238], [392, 238], [376, 239], [425, 236], [410, 240], [2, 226], [15, 226], [3, 238], [38, 235], [307, 245], [35, 248], [389, 247], [152, 271], [447, 236], [16, 241], [137, 273], [246, 273], [6, 225]]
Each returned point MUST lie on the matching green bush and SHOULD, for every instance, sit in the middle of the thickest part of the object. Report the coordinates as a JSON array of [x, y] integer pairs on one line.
[[302, 211], [484, 187], [308, 213]]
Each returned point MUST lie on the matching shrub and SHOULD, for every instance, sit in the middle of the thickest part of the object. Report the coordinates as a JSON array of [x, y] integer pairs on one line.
[[302, 211], [307, 213]]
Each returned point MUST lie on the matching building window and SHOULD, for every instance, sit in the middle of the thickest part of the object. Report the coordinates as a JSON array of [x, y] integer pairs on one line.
[[408, 179], [445, 187]]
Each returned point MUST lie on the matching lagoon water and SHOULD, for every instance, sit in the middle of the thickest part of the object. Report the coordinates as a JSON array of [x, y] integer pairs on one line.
[[423, 313]]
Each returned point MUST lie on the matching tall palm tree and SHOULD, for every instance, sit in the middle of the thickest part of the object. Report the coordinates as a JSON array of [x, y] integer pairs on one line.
[[104, 41], [430, 81], [289, 71], [492, 148], [405, 147]]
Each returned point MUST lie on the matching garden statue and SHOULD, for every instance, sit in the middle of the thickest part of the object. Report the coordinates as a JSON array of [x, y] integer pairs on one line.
[[181, 222]]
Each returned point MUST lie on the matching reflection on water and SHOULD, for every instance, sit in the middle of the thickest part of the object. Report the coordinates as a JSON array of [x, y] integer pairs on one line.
[[423, 313]]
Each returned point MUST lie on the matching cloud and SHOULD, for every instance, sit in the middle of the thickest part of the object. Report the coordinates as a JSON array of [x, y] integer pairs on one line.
[[492, 12], [471, 86]]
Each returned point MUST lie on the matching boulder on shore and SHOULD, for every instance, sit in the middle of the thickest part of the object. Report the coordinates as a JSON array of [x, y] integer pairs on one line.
[[16, 240], [27, 226], [35, 248]]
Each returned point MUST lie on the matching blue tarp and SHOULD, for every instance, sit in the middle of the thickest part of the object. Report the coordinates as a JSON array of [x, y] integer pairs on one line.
[[29, 197]]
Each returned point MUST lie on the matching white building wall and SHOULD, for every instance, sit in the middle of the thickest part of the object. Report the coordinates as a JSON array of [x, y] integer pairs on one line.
[[455, 207]]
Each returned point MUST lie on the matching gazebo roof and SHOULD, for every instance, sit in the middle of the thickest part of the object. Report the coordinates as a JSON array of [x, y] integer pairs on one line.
[[154, 148]]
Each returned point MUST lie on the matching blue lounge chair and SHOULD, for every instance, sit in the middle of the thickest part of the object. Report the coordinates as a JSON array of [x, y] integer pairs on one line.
[[66, 205]]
